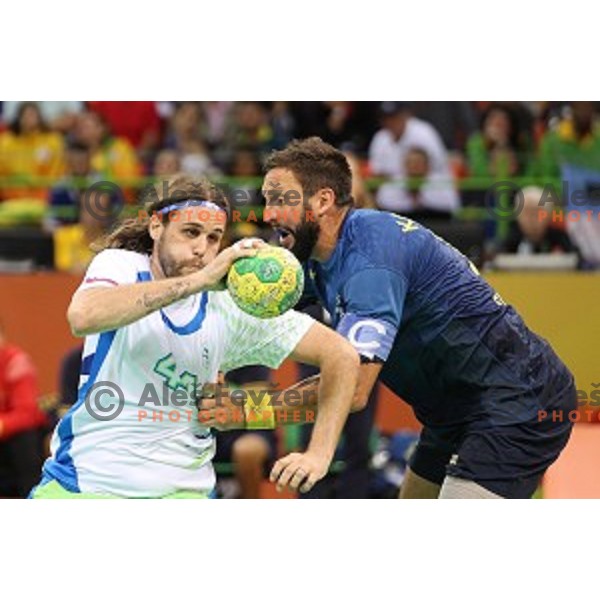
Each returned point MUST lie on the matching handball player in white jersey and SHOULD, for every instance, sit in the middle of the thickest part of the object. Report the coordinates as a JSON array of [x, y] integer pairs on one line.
[[157, 327]]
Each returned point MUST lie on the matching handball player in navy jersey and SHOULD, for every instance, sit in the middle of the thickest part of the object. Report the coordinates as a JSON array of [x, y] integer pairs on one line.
[[428, 326]]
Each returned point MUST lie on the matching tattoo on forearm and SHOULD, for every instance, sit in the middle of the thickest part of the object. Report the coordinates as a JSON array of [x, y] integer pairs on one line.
[[176, 291]]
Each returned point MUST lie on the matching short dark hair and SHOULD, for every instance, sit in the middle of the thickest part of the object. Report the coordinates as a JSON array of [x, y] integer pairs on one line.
[[316, 165]]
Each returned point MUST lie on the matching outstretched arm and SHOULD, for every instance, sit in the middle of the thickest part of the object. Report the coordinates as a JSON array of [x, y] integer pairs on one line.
[[105, 308]]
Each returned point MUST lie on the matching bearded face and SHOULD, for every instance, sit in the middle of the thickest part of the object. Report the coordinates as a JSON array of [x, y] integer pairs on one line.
[[296, 227]]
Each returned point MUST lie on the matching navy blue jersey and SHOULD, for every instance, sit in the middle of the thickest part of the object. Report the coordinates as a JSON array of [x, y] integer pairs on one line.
[[452, 347]]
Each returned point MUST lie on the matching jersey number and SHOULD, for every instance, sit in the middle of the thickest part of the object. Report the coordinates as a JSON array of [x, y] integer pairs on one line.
[[167, 369], [407, 225]]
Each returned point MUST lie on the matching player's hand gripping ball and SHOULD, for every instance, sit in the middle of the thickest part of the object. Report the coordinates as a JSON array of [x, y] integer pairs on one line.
[[268, 284]]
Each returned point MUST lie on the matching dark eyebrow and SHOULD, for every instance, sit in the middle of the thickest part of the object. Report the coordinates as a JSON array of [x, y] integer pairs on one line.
[[195, 225], [274, 192], [201, 227]]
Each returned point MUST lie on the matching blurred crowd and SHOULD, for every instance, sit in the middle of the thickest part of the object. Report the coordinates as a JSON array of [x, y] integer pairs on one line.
[[430, 160]]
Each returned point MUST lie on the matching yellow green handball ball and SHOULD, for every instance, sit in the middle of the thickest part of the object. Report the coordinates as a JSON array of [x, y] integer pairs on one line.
[[268, 284]]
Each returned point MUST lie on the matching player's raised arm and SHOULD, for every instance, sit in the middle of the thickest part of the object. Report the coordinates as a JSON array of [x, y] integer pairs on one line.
[[116, 300]]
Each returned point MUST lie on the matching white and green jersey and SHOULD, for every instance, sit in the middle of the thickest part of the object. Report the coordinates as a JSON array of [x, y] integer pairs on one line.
[[134, 430]]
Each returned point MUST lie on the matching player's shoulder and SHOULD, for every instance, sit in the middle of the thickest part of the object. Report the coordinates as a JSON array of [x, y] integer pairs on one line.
[[376, 227], [365, 218], [117, 267], [383, 239], [121, 256]]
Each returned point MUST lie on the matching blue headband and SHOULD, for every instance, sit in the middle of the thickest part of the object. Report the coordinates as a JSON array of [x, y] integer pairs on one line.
[[189, 203]]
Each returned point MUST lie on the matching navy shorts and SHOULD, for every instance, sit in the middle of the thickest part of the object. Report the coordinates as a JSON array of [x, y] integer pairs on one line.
[[508, 460]]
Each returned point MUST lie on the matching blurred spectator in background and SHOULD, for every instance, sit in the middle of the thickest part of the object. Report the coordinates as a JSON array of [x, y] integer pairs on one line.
[[497, 150], [454, 121], [248, 126], [346, 125], [542, 113], [137, 122], [185, 137], [282, 123], [245, 165], [216, 115], [72, 243], [64, 197], [112, 157], [28, 149], [166, 163], [362, 196], [533, 233], [21, 422], [420, 193], [571, 152], [575, 140], [251, 452], [58, 115], [401, 131]]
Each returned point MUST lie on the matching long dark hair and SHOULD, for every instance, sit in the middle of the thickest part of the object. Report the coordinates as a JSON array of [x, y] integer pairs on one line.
[[15, 126], [132, 234]]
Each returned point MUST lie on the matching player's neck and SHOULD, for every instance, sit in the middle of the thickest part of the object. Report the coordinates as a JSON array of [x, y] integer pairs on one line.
[[331, 226]]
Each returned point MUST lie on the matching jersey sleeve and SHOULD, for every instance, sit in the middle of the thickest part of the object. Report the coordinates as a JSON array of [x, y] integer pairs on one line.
[[110, 268], [374, 302], [253, 341]]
